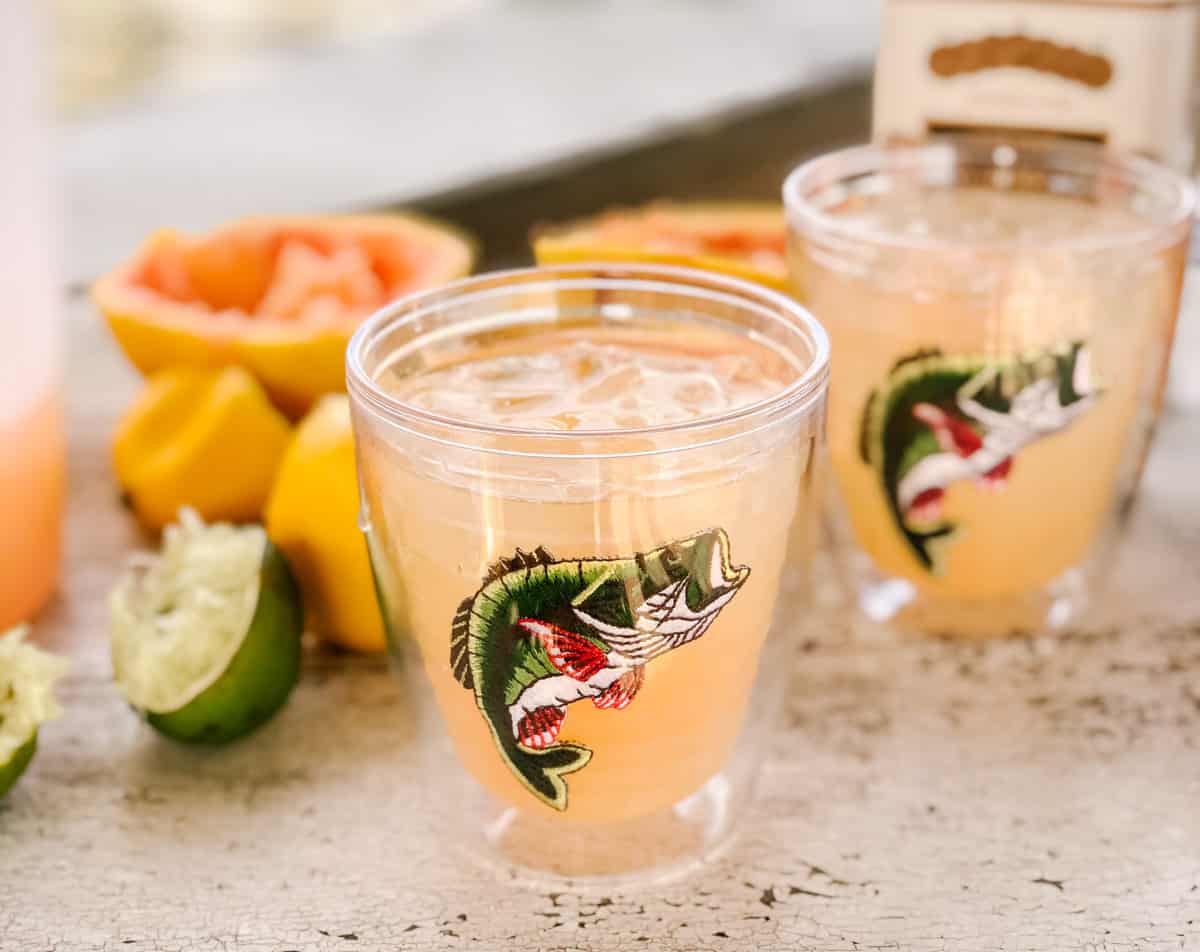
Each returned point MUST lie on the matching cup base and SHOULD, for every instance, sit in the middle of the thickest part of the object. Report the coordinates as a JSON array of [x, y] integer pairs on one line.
[[538, 852], [537, 849], [898, 606]]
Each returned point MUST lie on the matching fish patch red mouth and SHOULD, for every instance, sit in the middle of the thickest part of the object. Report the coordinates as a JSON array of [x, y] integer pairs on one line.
[[927, 507]]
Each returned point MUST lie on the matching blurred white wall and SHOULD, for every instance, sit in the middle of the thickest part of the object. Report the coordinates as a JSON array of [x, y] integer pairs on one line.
[[114, 50], [344, 118]]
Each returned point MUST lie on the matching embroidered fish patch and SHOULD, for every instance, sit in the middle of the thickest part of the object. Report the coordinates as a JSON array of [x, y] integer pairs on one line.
[[938, 420], [542, 634]]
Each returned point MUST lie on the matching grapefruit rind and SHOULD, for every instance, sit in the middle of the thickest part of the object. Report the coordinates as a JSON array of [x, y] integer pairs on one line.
[[680, 234], [192, 302], [206, 635], [27, 678]]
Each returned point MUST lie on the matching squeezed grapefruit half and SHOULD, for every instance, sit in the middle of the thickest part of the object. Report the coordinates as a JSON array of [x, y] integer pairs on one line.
[[745, 240], [278, 296]]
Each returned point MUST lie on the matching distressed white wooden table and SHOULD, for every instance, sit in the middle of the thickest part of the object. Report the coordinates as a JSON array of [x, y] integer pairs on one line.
[[1020, 795]]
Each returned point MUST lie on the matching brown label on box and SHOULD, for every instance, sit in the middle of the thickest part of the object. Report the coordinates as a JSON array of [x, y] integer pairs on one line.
[[1045, 56], [1119, 73]]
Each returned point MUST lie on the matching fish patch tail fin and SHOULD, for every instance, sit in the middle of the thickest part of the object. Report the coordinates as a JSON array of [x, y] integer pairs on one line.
[[925, 543], [542, 771]]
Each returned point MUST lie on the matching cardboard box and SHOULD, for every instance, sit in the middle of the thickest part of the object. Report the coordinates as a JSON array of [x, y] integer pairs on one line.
[[1115, 71]]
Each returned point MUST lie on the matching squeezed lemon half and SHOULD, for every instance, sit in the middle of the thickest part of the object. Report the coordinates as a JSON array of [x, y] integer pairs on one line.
[[27, 678], [312, 516], [206, 634]]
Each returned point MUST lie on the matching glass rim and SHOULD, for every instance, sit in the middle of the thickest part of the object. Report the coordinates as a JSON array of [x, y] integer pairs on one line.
[[1070, 157], [798, 396]]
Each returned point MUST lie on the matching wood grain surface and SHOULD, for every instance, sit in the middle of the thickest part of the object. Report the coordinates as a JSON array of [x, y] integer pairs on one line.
[[1037, 794]]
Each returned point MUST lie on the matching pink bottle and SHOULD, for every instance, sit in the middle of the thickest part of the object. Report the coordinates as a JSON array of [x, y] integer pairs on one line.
[[32, 445]]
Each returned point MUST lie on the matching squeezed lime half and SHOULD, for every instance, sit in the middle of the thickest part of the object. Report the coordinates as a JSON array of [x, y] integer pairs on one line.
[[206, 634], [27, 678]]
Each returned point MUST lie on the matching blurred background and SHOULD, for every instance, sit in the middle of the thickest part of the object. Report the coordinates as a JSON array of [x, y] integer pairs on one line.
[[495, 114], [110, 51], [190, 112]]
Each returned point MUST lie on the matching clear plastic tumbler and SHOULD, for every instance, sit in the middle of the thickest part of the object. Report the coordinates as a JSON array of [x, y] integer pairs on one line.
[[1001, 315], [589, 554]]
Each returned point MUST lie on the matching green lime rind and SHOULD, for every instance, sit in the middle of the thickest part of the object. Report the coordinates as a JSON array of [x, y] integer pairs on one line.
[[11, 771], [258, 680]]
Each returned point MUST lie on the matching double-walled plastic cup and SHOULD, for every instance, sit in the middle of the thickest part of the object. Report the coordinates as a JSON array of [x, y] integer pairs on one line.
[[1001, 313], [676, 552]]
